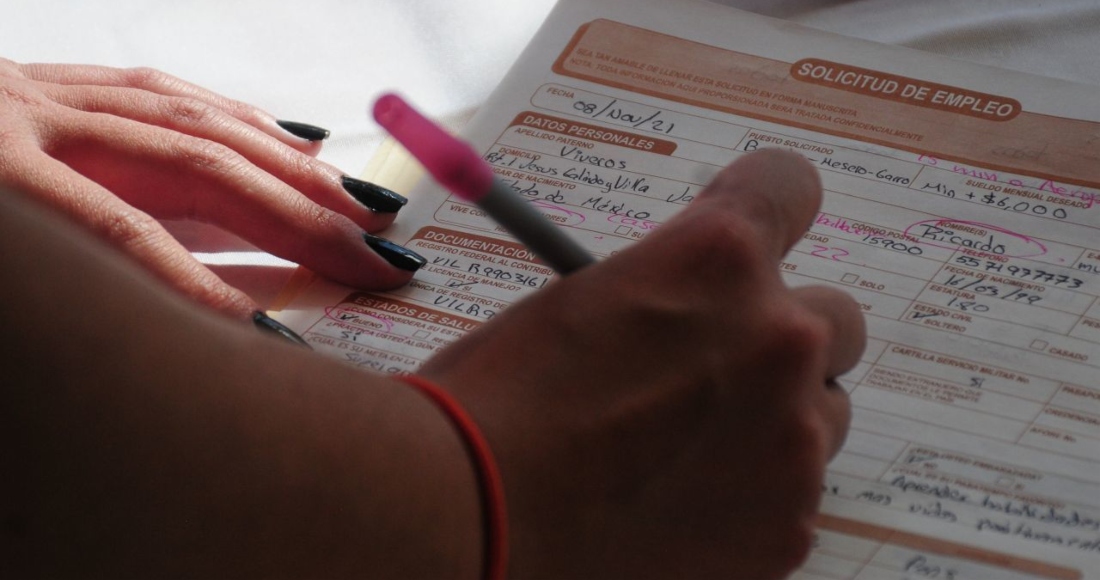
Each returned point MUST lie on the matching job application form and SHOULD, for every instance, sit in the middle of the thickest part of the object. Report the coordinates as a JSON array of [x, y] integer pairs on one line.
[[960, 210]]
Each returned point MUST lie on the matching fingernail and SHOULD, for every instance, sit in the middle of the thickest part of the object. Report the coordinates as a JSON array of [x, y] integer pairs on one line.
[[270, 325], [398, 256], [307, 132], [374, 197]]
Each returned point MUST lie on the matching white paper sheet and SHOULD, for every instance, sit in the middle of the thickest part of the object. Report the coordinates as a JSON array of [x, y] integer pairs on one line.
[[959, 211]]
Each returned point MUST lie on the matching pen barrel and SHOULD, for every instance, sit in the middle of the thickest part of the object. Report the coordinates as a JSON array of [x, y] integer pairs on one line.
[[534, 230]]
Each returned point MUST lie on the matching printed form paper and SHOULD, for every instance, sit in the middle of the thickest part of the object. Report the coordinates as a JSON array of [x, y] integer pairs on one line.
[[960, 210]]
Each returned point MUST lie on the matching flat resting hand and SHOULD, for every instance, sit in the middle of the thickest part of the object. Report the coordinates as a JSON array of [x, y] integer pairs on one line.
[[670, 411], [115, 148]]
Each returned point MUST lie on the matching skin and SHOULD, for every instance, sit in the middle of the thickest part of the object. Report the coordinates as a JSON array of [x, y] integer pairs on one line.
[[673, 396], [663, 413], [117, 149], [146, 436]]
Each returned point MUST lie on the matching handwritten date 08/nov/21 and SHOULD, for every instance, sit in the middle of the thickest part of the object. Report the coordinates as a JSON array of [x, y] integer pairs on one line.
[[621, 113]]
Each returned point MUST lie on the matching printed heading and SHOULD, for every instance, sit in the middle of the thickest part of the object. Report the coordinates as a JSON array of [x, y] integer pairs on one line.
[[905, 90]]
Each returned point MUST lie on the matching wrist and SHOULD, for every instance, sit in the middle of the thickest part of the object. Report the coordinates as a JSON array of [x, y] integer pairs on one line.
[[494, 520]]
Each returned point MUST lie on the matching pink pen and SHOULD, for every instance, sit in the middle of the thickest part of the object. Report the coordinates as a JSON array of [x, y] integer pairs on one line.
[[456, 166]]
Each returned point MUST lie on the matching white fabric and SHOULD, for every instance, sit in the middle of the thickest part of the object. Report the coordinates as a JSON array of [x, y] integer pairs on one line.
[[1055, 38], [323, 61]]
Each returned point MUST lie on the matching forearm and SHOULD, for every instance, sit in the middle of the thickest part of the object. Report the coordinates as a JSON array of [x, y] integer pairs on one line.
[[145, 437]]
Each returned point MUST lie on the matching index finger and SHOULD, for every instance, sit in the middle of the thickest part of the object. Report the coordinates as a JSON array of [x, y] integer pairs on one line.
[[776, 192], [161, 83]]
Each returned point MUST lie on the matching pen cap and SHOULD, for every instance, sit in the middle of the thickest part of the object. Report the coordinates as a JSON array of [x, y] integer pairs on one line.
[[452, 163]]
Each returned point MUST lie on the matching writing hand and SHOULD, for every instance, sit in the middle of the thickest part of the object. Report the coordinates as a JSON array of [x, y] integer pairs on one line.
[[669, 412], [117, 149]]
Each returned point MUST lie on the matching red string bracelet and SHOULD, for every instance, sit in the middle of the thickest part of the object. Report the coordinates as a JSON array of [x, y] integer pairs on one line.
[[494, 519]]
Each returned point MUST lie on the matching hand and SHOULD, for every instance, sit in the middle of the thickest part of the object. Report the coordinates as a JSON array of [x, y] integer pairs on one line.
[[670, 411], [114, 149]]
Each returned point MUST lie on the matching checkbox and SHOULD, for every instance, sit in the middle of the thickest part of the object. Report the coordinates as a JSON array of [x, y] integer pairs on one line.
[[850, 278], [1039, 344], [421, 334], [622, 230]]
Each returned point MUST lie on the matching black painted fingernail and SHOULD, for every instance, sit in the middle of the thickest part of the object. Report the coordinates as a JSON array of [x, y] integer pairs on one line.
[[307, 132], [374, 197], [398, 256], [272, 326]]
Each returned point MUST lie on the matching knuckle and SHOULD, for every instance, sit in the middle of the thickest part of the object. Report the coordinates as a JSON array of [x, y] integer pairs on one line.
[[13, 69], [130, 230], [727, 239], [321, 218], [302, 165], [209, 155], [222, 297], [188, 111], [799, 334], [147, 78], [21, 94], [243, 111]]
